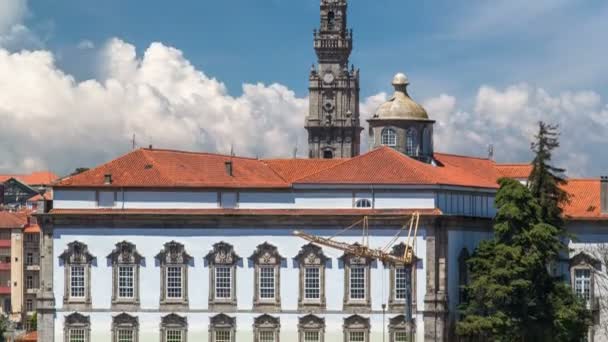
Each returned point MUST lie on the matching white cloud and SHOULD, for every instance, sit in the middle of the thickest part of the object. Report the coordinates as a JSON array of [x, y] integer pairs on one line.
[[12, 13], [13, 34]]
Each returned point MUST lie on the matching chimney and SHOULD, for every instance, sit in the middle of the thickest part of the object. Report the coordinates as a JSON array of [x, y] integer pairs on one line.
[[604, 194], [229, 168], [107, 179]]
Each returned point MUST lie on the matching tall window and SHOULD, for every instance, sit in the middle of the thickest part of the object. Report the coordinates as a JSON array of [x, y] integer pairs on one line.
[[363, 203], [125, 328], [411, 147], [311, 329], [582, 283], [126, 262], [311, 262], [267, 266], [400, 275], [77, 328], [582, 268], [266, 329], [400, 283], [222, 262], [174, 262], [77, 262], [29, 259], [356, 329], [173, 328], [356, 283], [388, 137], [222, 328]]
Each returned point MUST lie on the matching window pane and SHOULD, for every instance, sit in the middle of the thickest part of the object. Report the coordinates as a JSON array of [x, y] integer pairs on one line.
[[223, 282], [400, 283], [125, 335], [77, 281], [356, 336], [126, 281], [312, 336], [222, 336], [389, 137], [312, 283], [363, 203], [582, 283], [401, 336], [357, 282], [266, 336], [77, 335], [174, 282], [266, 282], [174, 336]]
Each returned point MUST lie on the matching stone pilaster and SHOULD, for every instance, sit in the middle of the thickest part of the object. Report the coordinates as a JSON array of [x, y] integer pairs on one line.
[[46, 297], [435, 299]]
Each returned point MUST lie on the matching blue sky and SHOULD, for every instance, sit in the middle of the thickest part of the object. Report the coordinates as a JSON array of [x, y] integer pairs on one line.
[[216, 75]]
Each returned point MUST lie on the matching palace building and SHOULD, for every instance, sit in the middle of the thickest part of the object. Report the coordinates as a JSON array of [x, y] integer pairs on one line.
[[175, 246]]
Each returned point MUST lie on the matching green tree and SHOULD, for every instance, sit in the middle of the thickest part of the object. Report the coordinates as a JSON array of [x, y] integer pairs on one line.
[[512, 296], [33, 322]]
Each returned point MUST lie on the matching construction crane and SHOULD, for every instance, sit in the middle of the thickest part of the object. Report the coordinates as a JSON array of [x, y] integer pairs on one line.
[[363, 250]]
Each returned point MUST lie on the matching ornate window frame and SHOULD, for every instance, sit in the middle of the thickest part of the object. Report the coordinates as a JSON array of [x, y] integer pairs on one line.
[[77, 255], [398, 324], [311, 256], [125, 321], [222, 322], [397, 305], [125, 255], [356, 305], [222, 255], [388, 137], [173, 255], [584, 261], [173, 322], [267, 256], [76, 321], [356, 323], [411, 142], [311, 323], [266, 323]]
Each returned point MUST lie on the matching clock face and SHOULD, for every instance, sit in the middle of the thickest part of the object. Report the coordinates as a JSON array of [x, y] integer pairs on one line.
[[328, 78]]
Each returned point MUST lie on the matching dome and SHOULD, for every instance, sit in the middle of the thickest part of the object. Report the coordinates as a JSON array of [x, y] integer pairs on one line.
[[401, 106]]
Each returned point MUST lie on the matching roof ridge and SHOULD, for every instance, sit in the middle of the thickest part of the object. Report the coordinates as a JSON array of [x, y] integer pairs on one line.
[[197, 153], [514, 164], [68, 177], [463, 156], [342, 161]]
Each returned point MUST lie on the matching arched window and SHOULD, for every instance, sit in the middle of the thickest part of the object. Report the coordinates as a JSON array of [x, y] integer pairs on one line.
[[410, 142], [426, 141], [331, 20], [389, 137], [363, 203]]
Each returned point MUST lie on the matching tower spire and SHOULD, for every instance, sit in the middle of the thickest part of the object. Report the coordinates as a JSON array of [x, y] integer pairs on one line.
[[333, 121]]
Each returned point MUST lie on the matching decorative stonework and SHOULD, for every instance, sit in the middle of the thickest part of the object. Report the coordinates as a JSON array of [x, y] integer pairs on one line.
[[77, 324], [395, 303], [124, 323], [311, 324], [266, 258], [222, 256], [77, 257], [125, 255], [358, 325], [173, 256], [351, 304], [399, 325], [266, 324], [222, 324], [310, 259], [172, 324], [584, 261]]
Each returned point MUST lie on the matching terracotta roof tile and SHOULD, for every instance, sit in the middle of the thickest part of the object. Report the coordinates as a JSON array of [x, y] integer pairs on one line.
[[10, 220], [584, 200], [34, 178], [29, 337], [293, 169], [518, 171]]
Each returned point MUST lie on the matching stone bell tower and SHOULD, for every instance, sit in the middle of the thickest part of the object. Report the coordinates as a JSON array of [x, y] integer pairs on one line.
[[334, 129]]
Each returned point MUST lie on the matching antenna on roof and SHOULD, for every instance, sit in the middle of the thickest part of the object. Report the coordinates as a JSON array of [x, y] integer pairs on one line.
[[491, 151], [232, 150], [133, 144], [295, 152]]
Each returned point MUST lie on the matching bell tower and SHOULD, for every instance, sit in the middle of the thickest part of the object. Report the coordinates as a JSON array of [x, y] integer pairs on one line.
[[334, 129]]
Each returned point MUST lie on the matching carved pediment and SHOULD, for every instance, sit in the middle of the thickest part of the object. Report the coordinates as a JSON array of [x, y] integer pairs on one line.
[[267, 321], [125, 253], [311, 322], [222, 321], [125, 319], [77, 253], [311, 254], [222, 254], [583, 258], [266, 254], [174, 320], [356, 322], [77, 319], [398, 322], [173, 253], [351, 259], [399, 251]]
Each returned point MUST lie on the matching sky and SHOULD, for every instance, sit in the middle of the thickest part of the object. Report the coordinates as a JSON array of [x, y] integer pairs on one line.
[[79, 79]]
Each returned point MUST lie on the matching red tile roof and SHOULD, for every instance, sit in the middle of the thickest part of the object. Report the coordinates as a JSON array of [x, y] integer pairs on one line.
[[518, 171], [154, 168], [34, 178], [584, 200], [293, 169], [32, 229], [10, 220], [29, 337]]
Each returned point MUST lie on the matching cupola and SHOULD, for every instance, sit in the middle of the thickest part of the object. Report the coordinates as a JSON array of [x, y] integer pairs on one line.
[[403, 124]]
